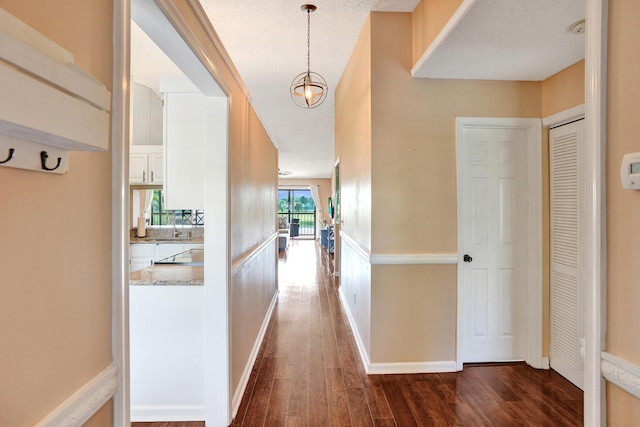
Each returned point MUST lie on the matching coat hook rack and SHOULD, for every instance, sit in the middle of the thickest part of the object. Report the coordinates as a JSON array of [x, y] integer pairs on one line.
[[43, 159], [11, 152]]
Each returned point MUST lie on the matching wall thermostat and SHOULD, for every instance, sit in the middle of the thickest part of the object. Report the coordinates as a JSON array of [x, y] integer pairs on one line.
[[630, 171]]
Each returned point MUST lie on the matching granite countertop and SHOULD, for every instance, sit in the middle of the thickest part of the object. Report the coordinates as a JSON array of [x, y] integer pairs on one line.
[[176, 275]]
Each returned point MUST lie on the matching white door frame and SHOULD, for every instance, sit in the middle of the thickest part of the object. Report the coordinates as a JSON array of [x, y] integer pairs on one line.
[[202, 71], [533, 156], [595, 209]]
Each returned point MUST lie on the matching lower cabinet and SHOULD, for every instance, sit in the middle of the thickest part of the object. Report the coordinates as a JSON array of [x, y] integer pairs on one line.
[[142, 255], [167, 357]]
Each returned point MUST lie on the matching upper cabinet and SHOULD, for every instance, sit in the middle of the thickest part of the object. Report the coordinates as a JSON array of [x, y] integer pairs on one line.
[[146, 112], [184, 141], [146, 164]]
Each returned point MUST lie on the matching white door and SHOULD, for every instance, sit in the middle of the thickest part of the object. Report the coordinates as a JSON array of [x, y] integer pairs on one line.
[[566, 200], [493, 268]]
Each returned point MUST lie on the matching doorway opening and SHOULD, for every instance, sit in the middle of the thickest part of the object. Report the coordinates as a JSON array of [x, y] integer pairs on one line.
[[499, 240], [194, 144]]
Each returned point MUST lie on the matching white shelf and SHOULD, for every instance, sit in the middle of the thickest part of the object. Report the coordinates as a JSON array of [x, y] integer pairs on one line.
[[48, 104]]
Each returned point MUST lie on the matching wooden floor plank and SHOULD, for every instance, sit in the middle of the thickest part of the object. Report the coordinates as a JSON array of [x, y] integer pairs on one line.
[[318, 379]]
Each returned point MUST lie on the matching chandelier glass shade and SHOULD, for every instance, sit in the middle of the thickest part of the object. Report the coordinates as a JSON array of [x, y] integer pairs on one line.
[[308, 89]]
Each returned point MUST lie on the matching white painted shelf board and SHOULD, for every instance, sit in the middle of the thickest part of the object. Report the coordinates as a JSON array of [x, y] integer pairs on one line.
[[49, 105]]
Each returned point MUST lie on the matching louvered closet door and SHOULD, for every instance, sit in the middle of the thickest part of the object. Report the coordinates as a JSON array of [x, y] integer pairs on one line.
[[566, 250]]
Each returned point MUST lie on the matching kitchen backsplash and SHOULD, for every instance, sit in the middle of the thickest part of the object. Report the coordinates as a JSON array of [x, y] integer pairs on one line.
[[169, 232]]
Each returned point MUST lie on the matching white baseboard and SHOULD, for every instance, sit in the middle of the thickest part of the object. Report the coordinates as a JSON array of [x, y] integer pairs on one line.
[[244, 380], [356, 333], [392, 368], [545, 363], [167, 413], [85, 402], [413, 367]]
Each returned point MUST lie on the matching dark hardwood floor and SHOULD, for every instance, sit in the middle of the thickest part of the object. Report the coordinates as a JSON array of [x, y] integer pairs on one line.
[[308, 372]]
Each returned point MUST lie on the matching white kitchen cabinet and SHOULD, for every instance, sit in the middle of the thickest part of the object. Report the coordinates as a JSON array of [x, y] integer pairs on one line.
[[146, 164], [167, 357], [146, 116], [141, 255], [184, 142]]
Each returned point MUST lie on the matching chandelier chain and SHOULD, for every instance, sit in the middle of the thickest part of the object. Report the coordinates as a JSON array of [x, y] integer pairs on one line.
[[308, 40]]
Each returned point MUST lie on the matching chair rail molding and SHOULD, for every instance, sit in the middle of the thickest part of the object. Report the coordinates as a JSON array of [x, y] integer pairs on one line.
[[85, 402], [622, 373]]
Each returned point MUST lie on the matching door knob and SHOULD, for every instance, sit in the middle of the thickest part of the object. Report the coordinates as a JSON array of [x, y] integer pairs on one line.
[[467, 258]]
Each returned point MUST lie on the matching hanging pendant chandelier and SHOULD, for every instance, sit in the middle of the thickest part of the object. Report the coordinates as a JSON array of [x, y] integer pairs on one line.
[[308, 89]]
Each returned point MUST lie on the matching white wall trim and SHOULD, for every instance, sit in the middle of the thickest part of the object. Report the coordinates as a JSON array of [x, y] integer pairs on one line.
[[85, 402], [391, 368], [252, 253], [563, 117], [362, 350], [356, 246], [390, 259], [167, 413], [595, 236], [120, 208], [398, 259], [413, 367], [442, 35], [622, 373], [534, 182], [244, 380]]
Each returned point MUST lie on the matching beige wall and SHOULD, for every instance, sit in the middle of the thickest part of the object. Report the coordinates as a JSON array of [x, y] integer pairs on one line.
[[563, 90], [324, 191], [353, 148], [410, 204], [414, 154], [428, 19], [353, 141], [55, 320], [623, 206], [253, 185]]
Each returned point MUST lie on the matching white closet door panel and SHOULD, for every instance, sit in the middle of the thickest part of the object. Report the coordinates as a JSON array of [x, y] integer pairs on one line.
[[566, 250]]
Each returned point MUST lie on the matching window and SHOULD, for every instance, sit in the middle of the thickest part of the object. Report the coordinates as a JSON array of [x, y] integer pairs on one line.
[[298, 207], [162, 216]]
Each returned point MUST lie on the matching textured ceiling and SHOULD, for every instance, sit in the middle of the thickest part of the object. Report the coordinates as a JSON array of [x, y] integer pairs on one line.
[[267, 42], [266, 39], [509, 40]]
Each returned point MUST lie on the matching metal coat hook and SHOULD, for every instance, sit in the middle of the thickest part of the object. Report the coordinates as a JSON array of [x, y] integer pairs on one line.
[[11, 152], [43, 159]]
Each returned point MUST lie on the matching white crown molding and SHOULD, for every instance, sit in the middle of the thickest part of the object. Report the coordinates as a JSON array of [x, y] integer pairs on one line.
[[564, 117], [622, 373], [85, 402]]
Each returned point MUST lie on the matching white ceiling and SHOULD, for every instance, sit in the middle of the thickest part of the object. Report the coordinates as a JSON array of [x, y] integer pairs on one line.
[[509, 40], [494, 39], [267, 41], [148, 62]]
